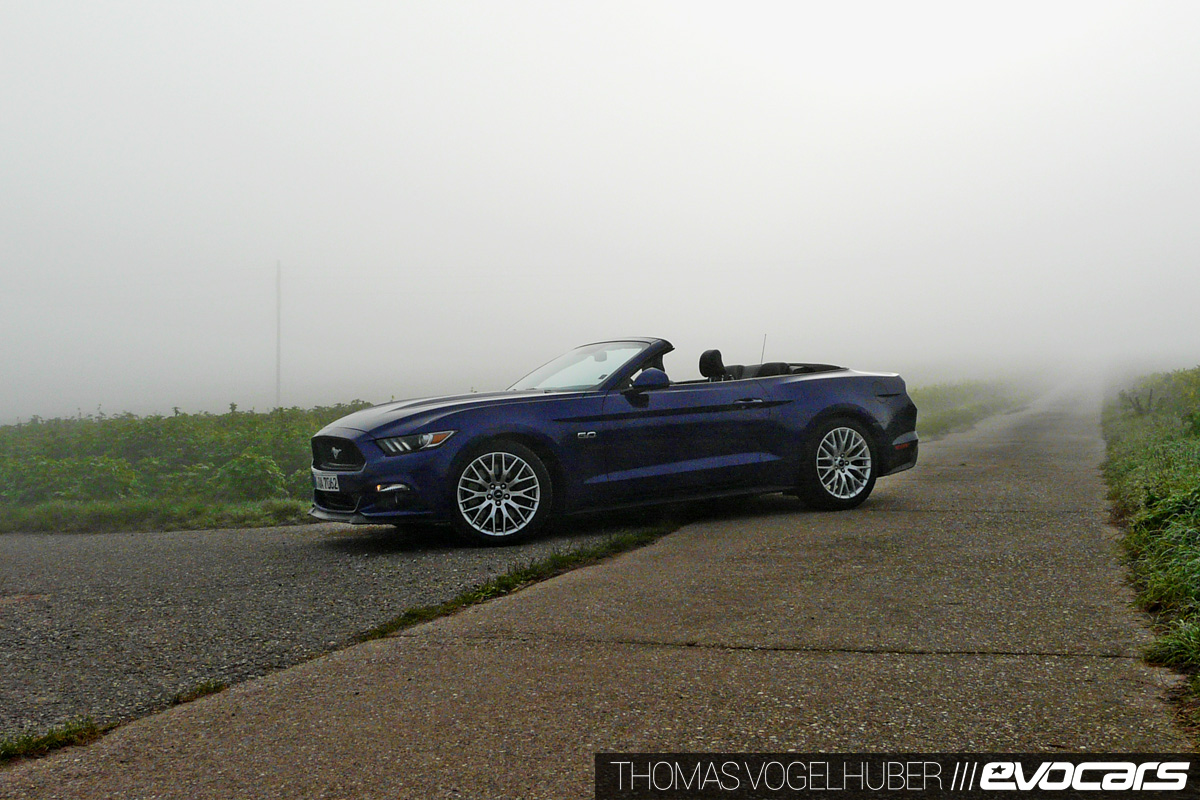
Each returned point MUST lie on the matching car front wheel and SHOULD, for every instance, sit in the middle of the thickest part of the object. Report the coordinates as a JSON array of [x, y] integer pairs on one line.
[[839, 466], [502, 494]]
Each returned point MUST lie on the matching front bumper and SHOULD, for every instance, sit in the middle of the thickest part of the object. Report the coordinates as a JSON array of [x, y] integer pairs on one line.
[[380, 518], [359, 501]]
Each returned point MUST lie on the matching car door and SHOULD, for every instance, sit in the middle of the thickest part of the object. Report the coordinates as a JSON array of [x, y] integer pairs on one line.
[[685, 439]]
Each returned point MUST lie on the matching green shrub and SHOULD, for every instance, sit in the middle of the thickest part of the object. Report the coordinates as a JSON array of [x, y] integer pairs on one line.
[[250, 476], [299, 484], [186, 470], [174, 457], [40, 479]]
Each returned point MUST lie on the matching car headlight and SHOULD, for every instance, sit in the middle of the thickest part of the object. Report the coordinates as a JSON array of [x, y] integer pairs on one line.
[[399, 445]]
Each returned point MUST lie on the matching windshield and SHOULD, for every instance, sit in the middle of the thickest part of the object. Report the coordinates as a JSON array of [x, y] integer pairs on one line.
[[582, 368]]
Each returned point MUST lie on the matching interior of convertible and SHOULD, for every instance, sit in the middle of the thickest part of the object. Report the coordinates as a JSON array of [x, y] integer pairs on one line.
[[588, 366], [713, 369]]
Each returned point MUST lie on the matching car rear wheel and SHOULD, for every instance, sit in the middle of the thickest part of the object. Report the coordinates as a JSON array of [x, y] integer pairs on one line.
[[840, 465], [502, 494]]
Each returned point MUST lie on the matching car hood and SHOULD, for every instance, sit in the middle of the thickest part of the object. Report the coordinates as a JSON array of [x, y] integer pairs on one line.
[[370, 419]]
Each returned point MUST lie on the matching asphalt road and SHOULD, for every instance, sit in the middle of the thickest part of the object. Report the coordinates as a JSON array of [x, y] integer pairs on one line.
[[113, 626], [977, 603]]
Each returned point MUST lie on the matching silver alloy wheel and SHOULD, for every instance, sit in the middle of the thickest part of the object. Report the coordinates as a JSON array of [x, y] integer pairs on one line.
[[498, 494], [844, 463]]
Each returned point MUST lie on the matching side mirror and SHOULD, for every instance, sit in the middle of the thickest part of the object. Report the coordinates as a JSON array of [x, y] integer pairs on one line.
[[648, 381]]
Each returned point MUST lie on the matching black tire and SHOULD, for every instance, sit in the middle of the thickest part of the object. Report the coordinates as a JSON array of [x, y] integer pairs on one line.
[[839, 465], [500, 493]]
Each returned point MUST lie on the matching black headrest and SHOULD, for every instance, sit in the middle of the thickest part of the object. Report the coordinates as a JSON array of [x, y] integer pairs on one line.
[[711, 365]]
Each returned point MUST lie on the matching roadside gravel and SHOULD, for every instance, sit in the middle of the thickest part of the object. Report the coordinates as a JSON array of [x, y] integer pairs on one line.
[[113, 626]]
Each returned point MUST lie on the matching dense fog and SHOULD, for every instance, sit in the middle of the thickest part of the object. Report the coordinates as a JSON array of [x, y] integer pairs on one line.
[[456, 192]]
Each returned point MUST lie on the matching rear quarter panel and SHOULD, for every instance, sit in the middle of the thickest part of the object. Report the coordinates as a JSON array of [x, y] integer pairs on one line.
[[802, 402]]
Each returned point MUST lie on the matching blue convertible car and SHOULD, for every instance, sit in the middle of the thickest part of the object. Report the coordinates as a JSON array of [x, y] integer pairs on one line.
[[602, 427]]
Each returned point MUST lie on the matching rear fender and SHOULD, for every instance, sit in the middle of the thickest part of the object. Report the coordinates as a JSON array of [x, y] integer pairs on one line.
[[856, 413]]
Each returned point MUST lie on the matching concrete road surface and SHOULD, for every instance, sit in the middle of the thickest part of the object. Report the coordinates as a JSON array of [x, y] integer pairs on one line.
[[976, 603]]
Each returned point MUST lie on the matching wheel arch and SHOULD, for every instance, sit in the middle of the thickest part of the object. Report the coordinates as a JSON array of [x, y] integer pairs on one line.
[[842, 411], [542, 447], [808, 482]]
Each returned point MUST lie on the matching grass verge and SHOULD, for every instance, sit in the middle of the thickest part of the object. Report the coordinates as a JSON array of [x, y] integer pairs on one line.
[[84, 731], [80, 731], [202, 689], [947, 407], [1153, 470], [151, 514]]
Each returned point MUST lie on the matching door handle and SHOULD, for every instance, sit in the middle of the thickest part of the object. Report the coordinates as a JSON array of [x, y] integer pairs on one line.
[[749, 401]]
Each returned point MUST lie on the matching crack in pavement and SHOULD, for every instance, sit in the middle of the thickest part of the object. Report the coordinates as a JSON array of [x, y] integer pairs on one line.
[[725, 646]]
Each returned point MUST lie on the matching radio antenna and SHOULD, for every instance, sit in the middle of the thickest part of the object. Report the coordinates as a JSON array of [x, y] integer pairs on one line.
[[763, 354], [278, 331]]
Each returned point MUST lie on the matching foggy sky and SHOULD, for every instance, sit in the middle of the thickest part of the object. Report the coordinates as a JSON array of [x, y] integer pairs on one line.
[[458, 192]]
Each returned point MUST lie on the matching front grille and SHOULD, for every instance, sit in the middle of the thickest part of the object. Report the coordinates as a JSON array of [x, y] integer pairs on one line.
[[334, 501], [333, 454]]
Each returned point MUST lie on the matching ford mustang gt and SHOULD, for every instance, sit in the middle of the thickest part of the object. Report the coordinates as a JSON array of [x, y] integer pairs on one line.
[[603, 426]]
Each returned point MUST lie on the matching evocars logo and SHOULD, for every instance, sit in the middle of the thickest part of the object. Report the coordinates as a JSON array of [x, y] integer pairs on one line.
[[1109, 776]]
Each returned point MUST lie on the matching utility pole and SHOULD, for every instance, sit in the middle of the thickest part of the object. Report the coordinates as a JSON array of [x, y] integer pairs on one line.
[[278, 330]]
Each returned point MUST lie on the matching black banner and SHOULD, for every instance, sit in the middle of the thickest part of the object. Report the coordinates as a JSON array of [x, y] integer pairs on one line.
[[734, 776]]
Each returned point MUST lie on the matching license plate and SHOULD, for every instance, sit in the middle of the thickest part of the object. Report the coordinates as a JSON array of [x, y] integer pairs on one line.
[[326, 483]]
